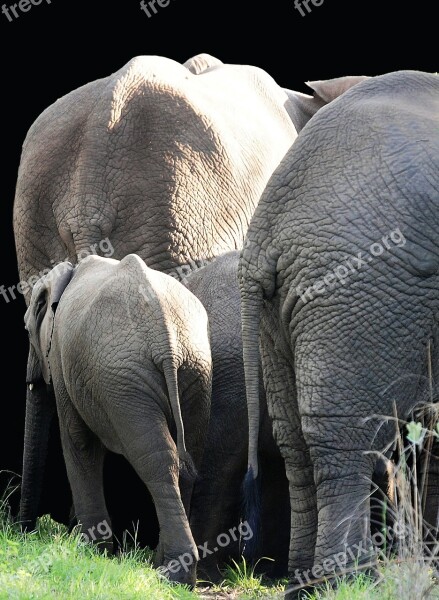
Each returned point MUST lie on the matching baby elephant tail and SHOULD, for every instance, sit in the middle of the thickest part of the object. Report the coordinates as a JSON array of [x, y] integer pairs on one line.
[[186, 462]]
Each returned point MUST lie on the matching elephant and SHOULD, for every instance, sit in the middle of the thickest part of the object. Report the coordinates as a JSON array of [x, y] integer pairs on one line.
[[160, 159], [340, 300], [126, 351], [217, 501]]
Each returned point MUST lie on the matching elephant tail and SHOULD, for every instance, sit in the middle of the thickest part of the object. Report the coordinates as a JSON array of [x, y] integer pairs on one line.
[[170, 373], [251, 306], [251, 491]]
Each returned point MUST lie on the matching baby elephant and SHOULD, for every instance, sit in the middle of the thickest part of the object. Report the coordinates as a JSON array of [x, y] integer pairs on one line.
[[127, 351]]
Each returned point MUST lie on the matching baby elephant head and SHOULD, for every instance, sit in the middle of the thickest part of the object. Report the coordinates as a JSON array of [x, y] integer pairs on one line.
[[39, 317]]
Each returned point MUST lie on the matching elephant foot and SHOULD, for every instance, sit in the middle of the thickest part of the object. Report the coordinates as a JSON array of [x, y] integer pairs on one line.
[[27, 525], [294, 592], [182, 569], [297, 589], [180, 572], [211, 572], [104, 546], [159, 556], [72, 521]]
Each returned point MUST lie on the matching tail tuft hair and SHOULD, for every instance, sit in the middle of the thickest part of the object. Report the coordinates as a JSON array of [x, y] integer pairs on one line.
[[251, 491]]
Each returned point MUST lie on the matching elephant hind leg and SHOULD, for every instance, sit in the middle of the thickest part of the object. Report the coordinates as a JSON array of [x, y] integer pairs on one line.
[[84, 455], [282, 406], [343, 479], [150, 449], [195, 385], [216, 512], [276, 516]]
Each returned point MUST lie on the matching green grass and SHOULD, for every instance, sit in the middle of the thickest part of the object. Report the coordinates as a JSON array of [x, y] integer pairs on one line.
[[360, 587], [62, 568], [241, 581], [53, 564], [50, 563], [395, 582]]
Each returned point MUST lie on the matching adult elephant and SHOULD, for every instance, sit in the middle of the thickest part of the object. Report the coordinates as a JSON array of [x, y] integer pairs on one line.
[[160, 159], [340, 285], [217, 502]]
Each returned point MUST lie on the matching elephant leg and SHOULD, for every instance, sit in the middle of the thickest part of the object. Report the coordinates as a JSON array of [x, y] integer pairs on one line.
[[216, 504], [195, 409], [40, 409], [84, 455], [216, 512], [343, 480], [153, 454], [282, 406], [276, 516]]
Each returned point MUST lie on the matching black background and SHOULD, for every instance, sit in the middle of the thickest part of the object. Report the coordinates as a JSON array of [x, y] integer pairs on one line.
[[52, 49]]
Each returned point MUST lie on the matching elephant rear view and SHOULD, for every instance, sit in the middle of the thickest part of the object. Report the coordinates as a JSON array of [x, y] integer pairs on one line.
[[340, 280], [127, 351], [160, 159]]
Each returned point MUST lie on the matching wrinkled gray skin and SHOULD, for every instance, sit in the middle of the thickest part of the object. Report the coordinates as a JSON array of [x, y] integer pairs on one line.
[[166, 160], [126, 349], [217, 501], [364, 166]]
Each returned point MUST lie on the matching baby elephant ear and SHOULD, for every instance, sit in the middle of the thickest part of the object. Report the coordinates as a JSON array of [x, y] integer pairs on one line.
[[201, 62], [330, 89], [60, 278]]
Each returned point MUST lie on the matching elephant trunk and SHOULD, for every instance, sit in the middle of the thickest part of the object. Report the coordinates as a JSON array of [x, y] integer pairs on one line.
[[170, 373], [40, 409]]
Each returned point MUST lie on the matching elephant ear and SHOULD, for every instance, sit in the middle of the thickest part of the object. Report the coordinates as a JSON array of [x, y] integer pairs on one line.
[[301, 107], [330, 89], [60, 278], [201, 62], [39, 319]]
